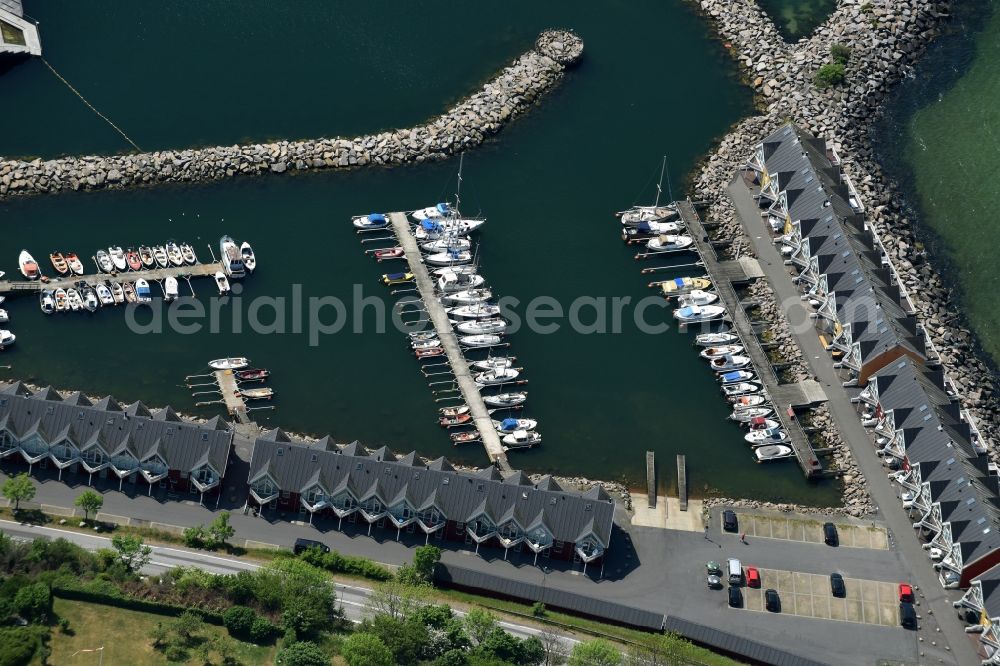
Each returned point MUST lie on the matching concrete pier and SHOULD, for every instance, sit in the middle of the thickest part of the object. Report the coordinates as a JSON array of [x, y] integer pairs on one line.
[[235, 404], [439, 318], [151, 275]]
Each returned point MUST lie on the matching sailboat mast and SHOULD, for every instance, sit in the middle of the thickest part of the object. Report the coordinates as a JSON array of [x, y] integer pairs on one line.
[[659, 185], [458, 190]]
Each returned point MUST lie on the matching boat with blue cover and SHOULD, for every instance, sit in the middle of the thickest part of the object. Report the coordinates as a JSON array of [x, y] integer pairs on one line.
[[736, 377], [371, 221], [692, 314], [397, 278], [510, 425], [433, 212]]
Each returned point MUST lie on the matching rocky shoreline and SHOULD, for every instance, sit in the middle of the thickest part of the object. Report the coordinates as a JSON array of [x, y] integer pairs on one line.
[[466, 125]]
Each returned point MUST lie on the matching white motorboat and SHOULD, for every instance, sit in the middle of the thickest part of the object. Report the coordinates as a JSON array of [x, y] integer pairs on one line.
[[174, 253], [249, 258], [455, 270], [729, 362], [683, 285], [142, 293], [232, 258], [521, 439], [433, 212], [455, 282], [422, 335], [510, 425], [745, 401], [474, 311], [90, 300], [772, 452], [146, 256], [222, 283], [170, 288], [47, 301], [232, 363], [28, 265], [62, 305], [117, 292], [482, 327], [104, 295], [159, 255], [506, 399], [187, 252], [717, 352], [694, 314], [467, 297], [638, 214], [761, 423], [74, 263], [496, 376], [104, 262], [74, 300], [494, 363], [6, 338], [425, 344], [650, 229], [697, 297], [749, 413], [669, 243], [479, 340], [449, 258], [370, 221], [446, 244], [735, 377], [118, 259], [741, 388], [713, 339]]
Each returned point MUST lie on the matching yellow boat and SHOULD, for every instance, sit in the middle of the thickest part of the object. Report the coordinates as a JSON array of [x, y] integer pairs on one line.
[[397, 278], [682, 285]]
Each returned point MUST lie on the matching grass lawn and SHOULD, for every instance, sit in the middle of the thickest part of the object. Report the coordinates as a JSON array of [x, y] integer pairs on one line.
[[124, 635]]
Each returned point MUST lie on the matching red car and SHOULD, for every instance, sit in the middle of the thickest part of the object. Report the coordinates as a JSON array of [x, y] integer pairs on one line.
[[905, 593], [753, 577]]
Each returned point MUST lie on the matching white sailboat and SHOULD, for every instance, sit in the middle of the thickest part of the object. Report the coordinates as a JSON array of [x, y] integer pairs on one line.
[[496, 376], [456, 282], [511, 399], [713, 339], [667, 243], [697, 297], [467, 297], [693, 314], [474, 311], [510, 425], [482, 327], [472, 341]]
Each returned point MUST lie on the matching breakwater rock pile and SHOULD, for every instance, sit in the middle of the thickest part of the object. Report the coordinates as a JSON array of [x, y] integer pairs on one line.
[[464, 126]]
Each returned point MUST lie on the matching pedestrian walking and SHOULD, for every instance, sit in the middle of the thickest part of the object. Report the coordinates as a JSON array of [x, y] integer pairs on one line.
[[706, 531], [743, 537]]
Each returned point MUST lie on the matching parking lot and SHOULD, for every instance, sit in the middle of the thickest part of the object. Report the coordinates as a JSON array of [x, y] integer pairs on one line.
[[807, 530], [808, 595]]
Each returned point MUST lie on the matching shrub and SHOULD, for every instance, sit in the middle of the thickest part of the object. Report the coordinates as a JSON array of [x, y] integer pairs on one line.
[[194, 537], [17, 646], [362, 649], [239, 620], [262, 631], [538, 609], [33, 602], [64, 626], [830, 74], [348, 564], [840, 53], [302, 653]]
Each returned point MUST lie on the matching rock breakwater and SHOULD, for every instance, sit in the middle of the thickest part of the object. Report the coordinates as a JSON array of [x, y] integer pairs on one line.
[[464, 126]]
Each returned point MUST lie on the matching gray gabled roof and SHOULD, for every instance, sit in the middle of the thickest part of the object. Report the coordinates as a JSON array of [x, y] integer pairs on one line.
[[460, 496], [990, 582], [183, 445]]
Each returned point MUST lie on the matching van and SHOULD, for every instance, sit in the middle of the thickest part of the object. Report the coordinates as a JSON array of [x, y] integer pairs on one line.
[[302, 545], [735, 571], [907, 615]]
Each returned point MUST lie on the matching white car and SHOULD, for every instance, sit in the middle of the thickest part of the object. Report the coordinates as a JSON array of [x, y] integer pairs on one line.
[[907, 498]]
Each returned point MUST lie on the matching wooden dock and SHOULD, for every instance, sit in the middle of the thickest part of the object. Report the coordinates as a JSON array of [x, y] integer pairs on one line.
[[723, 274], [651, 479], [235, 404], [151, 275], [488, 434], [682, 481]]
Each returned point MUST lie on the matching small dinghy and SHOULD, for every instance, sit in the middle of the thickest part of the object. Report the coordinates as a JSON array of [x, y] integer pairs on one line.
[[429, 352], [683, 285], [521, 439], [62, 305], [717, 352], [697, 297], [694, 314], [59, 263], [261, 393], [6, 338], [729, 362], [117, 255], [454, 420], [425, 344], [446, 245], [455, 270], [454, 411], [232, 363], [745, 401], [433, 212], [104, 262], [482, 327], [74, 300], [252, 374], [497, 376], [117, 292], [713, 339], [222, 282], [142, 294], [104, 294], [749, 413], [388, 253], [371, 221], [170, 289], [190, 258], [474, 311], [146, 256], [450, 283], [249, 258], [449, 258], [90, 300], [467, 297], [128, 290], [666, 243], [464, 437], [479, 340], [506, 399], [638, 214], [494, 363], [422, 335], [510, 425], [28, 265], [133, 260], [160, 256], [47, 301], [174, 254], [390, 279], [772, 452], [735, 377], [741, 388], [74, 263]]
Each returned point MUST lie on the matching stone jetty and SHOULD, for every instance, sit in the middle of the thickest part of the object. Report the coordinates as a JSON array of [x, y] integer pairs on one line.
[[464, 126]]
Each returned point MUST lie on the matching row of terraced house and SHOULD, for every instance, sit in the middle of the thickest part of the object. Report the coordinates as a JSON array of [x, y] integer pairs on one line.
[[864, 313], [130, 444]]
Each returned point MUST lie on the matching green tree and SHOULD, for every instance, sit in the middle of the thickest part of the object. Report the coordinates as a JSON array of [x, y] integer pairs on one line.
[[131, 551], [395, 599], [830, 74], [406, 638], [17, 488], [194, 537], [238, 620], [186, 626], [90, 501], [33, 602], [452, 658], [364, 649], [306, 615], [160, 635], [479, 624], [598, 652], [425, 559], [220, 529], [302, 653]]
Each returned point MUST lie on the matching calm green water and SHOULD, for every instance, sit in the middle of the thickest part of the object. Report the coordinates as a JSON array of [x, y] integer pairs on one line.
[[548, 186], [798, 18], [941, 138]]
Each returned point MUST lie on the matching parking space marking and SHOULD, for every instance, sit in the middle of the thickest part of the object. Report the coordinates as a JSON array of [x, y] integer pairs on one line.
[[871, 537]]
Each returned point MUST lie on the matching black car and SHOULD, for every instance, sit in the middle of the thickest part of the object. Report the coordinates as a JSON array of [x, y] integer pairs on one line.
[[837, 586], [302, 545], [830, 537], [907, 615], [729, 522], [735, 597], [772, 601]]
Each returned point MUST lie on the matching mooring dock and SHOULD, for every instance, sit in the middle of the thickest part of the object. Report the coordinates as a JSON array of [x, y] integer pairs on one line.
[[488, 434], [151, 275], [235, 404], [724, 274]]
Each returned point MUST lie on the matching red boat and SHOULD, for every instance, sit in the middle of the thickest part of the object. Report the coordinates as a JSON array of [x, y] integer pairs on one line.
[[458, 419], [388, 253], [463, 437], [252, 373], [133, 260], [428, 352]]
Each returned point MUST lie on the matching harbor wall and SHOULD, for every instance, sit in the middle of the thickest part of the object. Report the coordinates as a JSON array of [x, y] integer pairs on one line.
[[466, 125], [885, 38]]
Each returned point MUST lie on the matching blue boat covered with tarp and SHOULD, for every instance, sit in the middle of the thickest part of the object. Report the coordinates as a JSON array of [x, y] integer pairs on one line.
[[371, 221]]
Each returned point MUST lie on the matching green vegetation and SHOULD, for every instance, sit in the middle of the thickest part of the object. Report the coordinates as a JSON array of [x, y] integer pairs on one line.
[[90, 501], [131, 551], [830, 74], [215, 536], [598, 652], [840, 54], [18, 488], [335, 562]]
